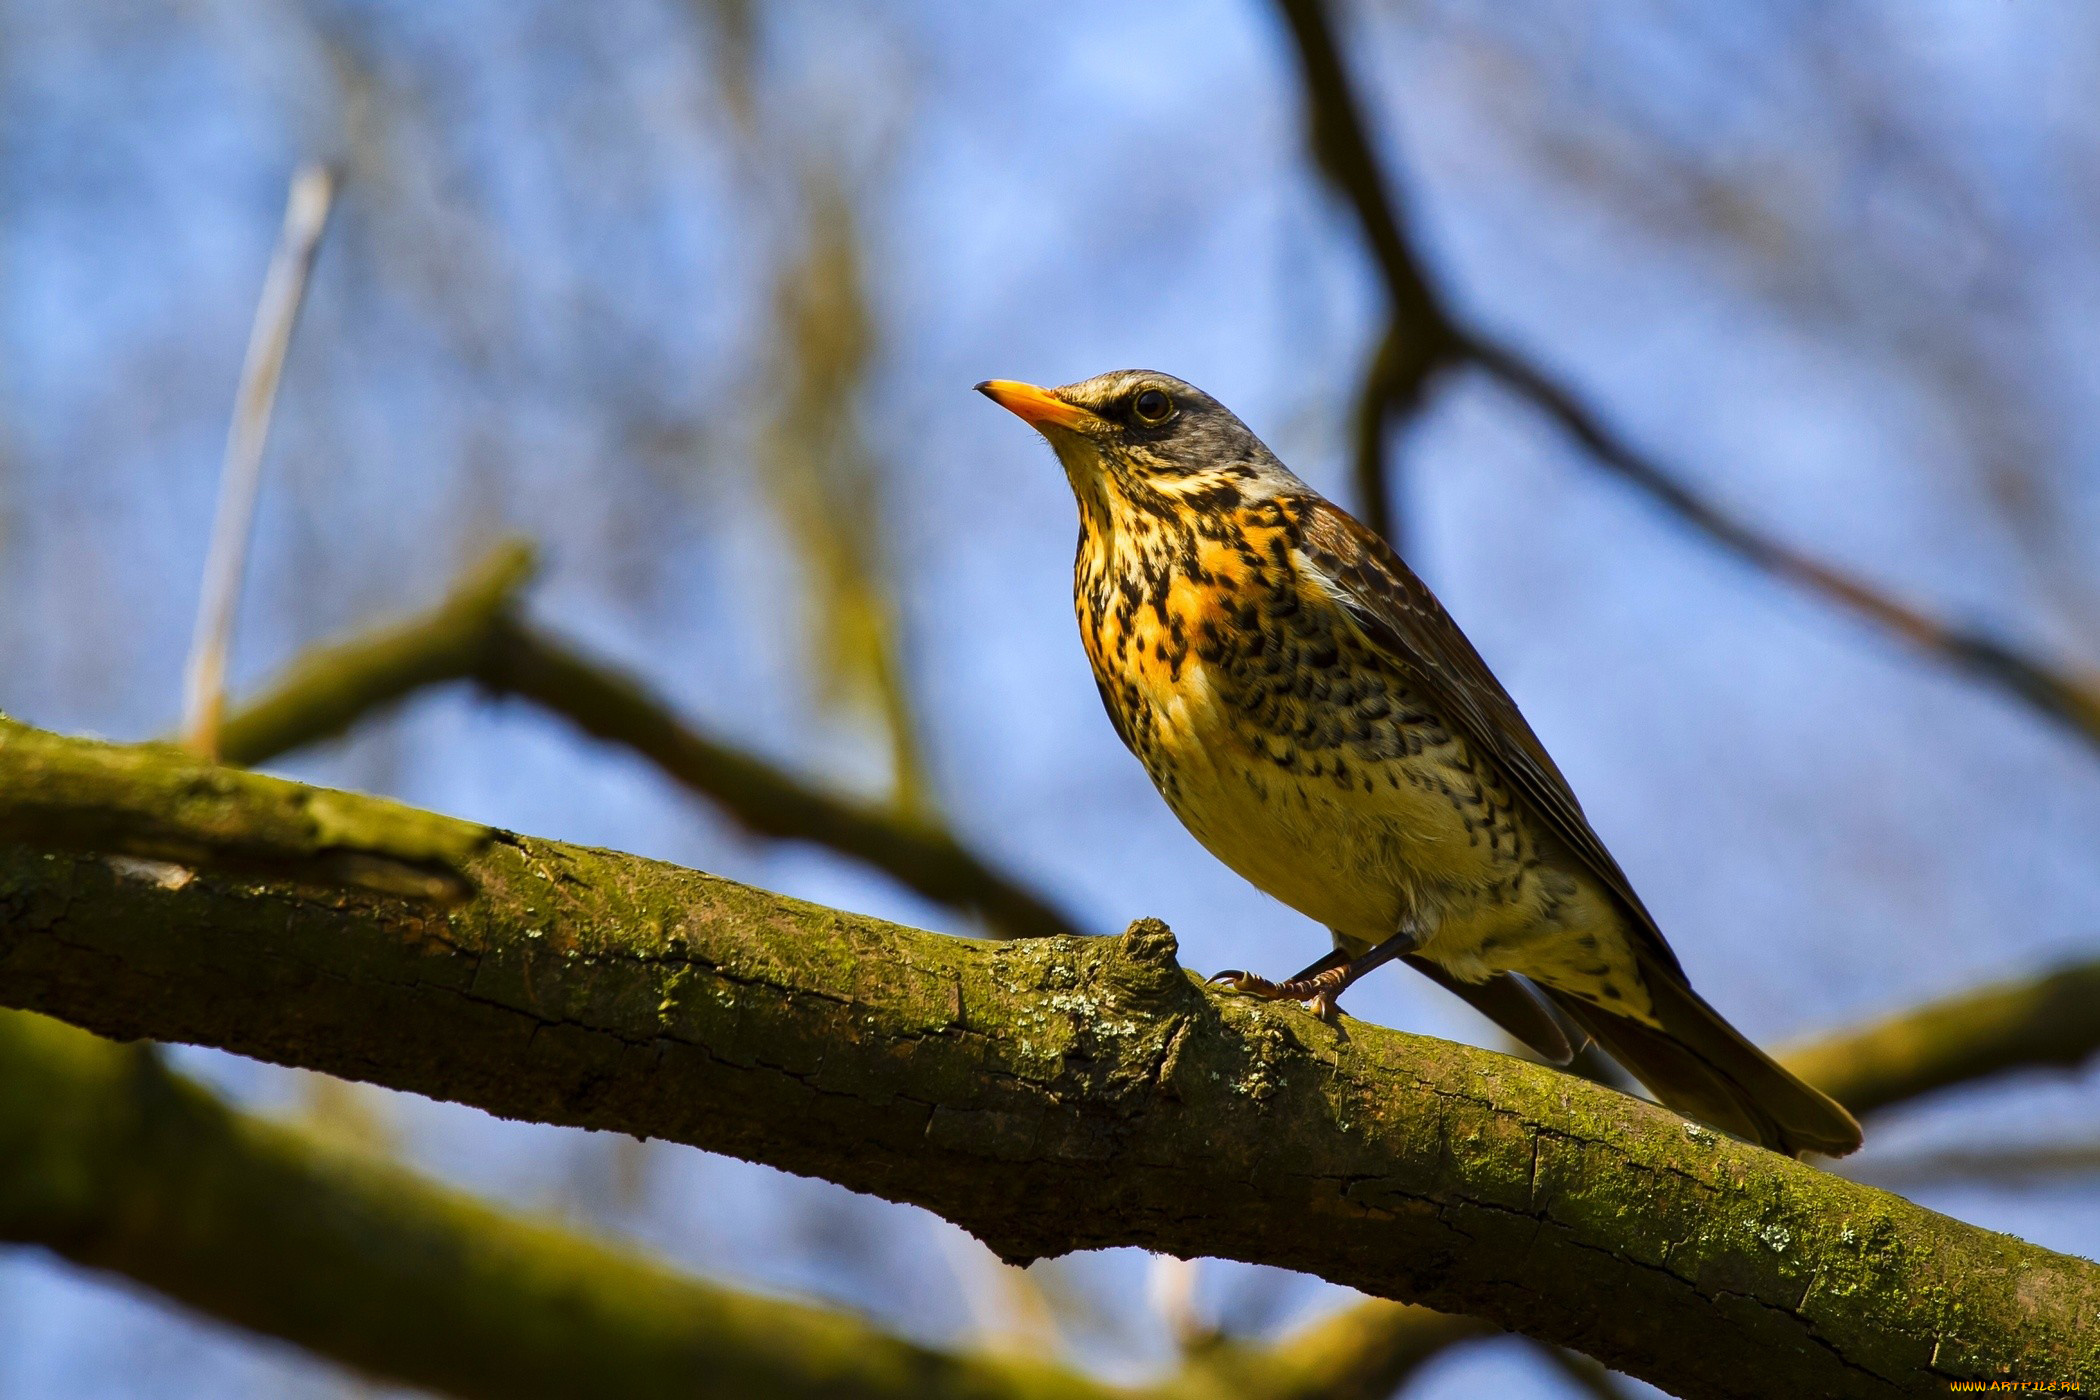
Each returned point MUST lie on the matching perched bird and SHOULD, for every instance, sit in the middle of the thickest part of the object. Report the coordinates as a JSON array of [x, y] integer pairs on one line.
[[1319, 723]]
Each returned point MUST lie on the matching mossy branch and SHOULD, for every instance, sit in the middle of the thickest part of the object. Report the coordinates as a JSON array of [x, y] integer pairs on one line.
[[115, 1162], [478, 634], [151, 807], [1047, 1095]]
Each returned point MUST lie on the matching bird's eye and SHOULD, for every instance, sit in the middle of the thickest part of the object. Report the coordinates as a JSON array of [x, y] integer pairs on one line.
[[1152, 407]]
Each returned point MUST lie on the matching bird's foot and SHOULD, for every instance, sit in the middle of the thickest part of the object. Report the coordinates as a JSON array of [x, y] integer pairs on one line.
[[1246, 984], [1319, 991]]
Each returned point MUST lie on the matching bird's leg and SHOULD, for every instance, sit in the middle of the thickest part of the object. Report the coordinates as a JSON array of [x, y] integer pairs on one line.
[[1321, 985]]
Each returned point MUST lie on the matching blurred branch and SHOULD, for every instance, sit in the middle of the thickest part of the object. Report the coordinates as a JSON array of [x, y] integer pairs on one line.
[[2053, 1019], [1422, 319], [1362, 1352], [2069, 700], [1419, 337], [2006, 1165], [330, 688], [826, 482], [477, 634], [1394, 384], [1047, 1095], [113, 1161], [766, 799], [240, 480]]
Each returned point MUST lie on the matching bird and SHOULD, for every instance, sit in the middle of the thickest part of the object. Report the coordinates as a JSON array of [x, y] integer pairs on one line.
[[1314, 717]]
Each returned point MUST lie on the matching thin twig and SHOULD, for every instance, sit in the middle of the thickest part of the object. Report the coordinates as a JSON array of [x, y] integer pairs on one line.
[[1343, 145], [240, 478]]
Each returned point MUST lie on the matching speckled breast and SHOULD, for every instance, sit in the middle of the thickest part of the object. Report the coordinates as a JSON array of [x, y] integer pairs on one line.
[[1274, 734]]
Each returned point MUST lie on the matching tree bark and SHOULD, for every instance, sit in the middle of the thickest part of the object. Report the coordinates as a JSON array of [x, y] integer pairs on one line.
[[1047, 1095]]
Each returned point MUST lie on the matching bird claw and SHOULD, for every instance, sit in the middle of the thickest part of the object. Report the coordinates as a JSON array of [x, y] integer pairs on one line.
[[1245, 983], [1320, 994]]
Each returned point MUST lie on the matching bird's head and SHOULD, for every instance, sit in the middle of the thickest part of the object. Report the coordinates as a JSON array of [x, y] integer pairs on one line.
[[1134, 440]]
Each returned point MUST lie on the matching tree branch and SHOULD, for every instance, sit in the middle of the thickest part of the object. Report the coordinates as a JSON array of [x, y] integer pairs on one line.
[[767, 799], [1341, 141], [2053, 1019], [153, 811], [477, 634], [1047, 1095], [1419, 337], [330, 688], [113, 1161], [376, 1268], [109, 1159]]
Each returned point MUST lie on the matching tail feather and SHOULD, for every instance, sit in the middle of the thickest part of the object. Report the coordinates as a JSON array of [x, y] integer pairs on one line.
[[1510, 1002], [1705, 1068]]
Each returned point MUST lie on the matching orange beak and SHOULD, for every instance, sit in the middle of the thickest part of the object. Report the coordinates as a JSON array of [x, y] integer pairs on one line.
[[1037, 407]]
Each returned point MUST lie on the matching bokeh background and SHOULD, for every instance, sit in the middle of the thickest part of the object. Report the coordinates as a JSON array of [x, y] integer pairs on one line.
[[693, 294]]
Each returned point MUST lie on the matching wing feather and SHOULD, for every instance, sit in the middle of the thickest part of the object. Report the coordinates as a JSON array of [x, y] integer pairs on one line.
[[1403, 620]]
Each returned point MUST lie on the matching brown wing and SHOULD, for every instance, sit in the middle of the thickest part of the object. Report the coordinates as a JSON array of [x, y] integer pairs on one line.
[[1398, 614]]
